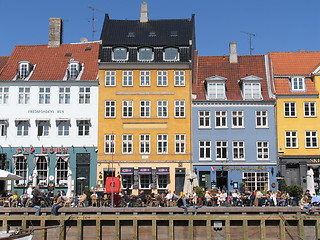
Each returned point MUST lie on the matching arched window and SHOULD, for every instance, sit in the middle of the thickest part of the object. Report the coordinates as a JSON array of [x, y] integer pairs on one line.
[[171, 54], [62, 171], [145, 54], [120, 54]]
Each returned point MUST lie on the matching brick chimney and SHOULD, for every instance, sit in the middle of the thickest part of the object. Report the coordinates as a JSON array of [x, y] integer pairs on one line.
[[233, 52], [144, 12], [55, 32]]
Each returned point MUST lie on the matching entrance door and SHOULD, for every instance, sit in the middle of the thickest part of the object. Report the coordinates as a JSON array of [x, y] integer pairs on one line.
[[179, 179], [83, 172], [222, 179], [292, 175], [205, 179]]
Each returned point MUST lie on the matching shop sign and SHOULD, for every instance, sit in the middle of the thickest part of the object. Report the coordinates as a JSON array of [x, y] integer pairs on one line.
[[228, 168]]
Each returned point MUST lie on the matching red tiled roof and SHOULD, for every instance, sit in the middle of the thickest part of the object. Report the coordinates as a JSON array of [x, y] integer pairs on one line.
[[51, 62], [3, 61], [208, 66]]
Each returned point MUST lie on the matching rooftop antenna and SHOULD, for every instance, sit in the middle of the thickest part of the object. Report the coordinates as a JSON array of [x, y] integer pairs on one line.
[[93, 19], [250, 40]]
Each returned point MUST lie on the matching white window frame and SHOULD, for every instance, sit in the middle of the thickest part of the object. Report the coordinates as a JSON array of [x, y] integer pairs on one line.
[[310, 109], [204, 119], [43, 128], [84, 95], [3, 128], [162, 78], [256, 181], [162, 143], [64, 95], [298, 84], [292, 110], [83, 127], [125, 51], [252, 90], [127, 181], [74, 68], [263, 151], [205, 151], [4, 95], [24, 95], [145, 181], [216, 90], [109, 143], [238, 150], [162, 181], [179, 78], [180, 143], [169, 55], [221, 119], [44, 95], [24, 69], [291, 139], [145, 78], [110, 77], [221, 150], [262, 119], [127, 144], [110, 109], [127, 108], [311, 138], [127, 78], [43, 172], [61, 170], [144, 144], [23, 128], [143, 54], [63, 128], [179, 109], [145, 108], [237, 119], [21, 168], [162, 108]]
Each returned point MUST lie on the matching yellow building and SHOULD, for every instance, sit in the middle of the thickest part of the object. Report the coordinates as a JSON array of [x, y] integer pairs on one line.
[[296, 81], [145, 102]]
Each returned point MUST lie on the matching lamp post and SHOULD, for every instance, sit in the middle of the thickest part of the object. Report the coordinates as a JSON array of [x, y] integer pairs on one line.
[[279, 175]]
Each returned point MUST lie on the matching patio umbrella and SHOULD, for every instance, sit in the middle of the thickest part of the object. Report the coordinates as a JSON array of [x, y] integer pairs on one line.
[[68, 194], [190, 182], [310, 181], [34, 177], [5, 175]]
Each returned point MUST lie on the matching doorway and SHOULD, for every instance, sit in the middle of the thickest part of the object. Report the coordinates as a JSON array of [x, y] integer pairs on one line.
[[205, 179], [222, 179]]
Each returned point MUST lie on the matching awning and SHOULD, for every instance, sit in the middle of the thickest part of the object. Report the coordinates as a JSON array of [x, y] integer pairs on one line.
[[145, 171], [4, 122], [163, 170], [62, 120], [126, 171], [85, 121], [42, 122], [18, 121]]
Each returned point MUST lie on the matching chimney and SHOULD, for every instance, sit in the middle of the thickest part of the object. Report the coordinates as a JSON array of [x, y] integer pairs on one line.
[[55, 32], [144, 12], [233, 52]]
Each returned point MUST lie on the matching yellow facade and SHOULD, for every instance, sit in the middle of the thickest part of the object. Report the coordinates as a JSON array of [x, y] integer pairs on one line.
[[137, 125]]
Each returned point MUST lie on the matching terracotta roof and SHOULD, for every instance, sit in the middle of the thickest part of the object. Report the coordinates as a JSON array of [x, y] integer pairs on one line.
[[208, 66], [52, 62], [3, 61]]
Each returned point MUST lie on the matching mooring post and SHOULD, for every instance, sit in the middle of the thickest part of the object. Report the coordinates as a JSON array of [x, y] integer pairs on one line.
[[135, 229], [98, 229], [282, 229], [209, 229], [301, 228], [318, 229], [263, 229], [171, 230], [79, 229], [4, 225], [154, 229], [245, 229], [62, 232], [117, 234], [190, 229], [227, 232], [43, 233]]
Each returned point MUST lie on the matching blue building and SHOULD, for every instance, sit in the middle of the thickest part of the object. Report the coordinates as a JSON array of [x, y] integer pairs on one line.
[[234, 131]]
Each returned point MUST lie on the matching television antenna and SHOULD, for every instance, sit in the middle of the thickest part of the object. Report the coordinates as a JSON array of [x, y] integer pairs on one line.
[[93, 19], [250, 35]]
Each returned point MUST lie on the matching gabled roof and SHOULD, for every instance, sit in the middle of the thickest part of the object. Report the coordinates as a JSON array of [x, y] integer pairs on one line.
[[52, 62], [175, 32], [207, 66], [3, 61]]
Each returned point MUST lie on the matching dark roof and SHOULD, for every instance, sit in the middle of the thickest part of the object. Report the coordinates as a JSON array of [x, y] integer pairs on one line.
[[208, 66], [175, 32]]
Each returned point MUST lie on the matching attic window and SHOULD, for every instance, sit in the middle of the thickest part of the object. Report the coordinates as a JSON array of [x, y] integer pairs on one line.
[[251, 88], [120, 54], [216, 87], [171, 54], [87, 48], [131, 34], [74, 69], [173, 33], [24, 69], [145, 54], [68, 54], [152, 34], [298, 84]]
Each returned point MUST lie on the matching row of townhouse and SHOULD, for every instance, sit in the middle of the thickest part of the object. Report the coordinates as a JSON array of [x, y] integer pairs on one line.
[[141, 104]]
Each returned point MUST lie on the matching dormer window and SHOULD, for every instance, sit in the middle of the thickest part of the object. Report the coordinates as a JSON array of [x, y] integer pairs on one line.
[[216, 88], [174, 33], [24, 69], [131, 34], [297, 84], [120, 54], [145, 54], [171, 54], [251, 88], [74, 69]]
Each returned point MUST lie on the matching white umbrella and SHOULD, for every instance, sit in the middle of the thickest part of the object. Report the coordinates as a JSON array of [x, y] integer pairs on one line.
[[310, 182], [5, 175], [68, 194], [190, 182], [34, 177]]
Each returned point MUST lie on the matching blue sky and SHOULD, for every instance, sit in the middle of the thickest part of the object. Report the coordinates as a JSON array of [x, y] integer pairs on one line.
[[285, 25]]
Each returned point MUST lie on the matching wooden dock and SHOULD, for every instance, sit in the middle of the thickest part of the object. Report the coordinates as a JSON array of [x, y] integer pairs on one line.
[[166, 223]]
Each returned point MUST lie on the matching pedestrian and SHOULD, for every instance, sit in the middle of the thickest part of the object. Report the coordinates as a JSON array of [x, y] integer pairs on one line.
[[36, 200], [182, 203], [58, 204]]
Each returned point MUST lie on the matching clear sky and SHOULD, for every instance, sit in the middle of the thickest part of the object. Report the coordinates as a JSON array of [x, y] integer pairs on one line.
[[278, 25]]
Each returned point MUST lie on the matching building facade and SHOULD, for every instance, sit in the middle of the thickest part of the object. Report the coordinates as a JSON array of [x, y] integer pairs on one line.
[[145, 102], [234, 122], [49, 108]]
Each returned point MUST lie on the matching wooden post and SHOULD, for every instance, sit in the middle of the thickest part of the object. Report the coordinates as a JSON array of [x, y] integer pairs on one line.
[[154, 229], [171, 230], [135, 229], [245, 229], [263, 229], [227, 232], [80, 229], [318, 229], [4, 225], [282, 229], [301, 229], [98, 229], [209, 230], [43, 233], [190, 229], [62, 232], [117, 234]]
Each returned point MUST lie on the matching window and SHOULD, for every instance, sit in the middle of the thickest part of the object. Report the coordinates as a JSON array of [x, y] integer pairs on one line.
[[24, 95], [120, 54], [3, 127], [24, 70], [4, 95], [144, 78], [216, 90], [180, 143], [238, 150], [263, 150], [127, 142], [109, 144], [204, 119], [291, 139], [179, 106], [43, 128], [127, 78], [22, 127], [145, 181], [297, 84], [42, 169], [204, 150], [84, 95], [21, 168], [44, 95], [62, 171], [311, 139], [256, 181], [162, 143], [64, 95], [221, 119], [171, 54], [145, 54], [237, 119], [221, 150], [74, 69], [261, 119], [110, 78], [110, 109], [310, 109], [163, 181], [145, 144], [127, 108], [162, 78], [83, 127], [289, 109], [251, 91], [162, 108], [127, 181], [179, 78], [63, 127], [145, 108]]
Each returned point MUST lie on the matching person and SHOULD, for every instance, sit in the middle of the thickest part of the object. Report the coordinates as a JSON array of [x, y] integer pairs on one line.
[[36, 200], [168, 198], [142, 197], [82, 198], [58, 204], [208, 197], [182, 203], [305, 204], [29, 191]]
